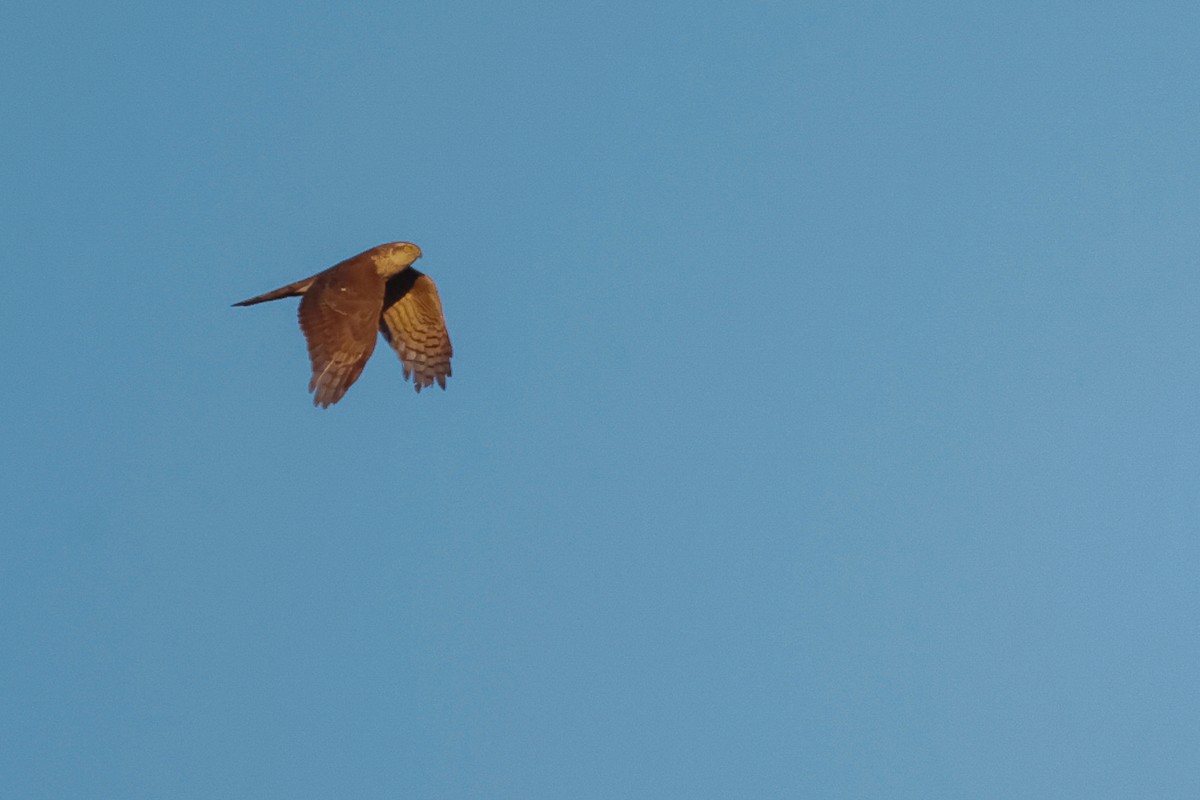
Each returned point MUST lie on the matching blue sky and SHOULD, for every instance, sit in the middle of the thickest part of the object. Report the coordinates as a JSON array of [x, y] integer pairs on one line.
[[823, 421]]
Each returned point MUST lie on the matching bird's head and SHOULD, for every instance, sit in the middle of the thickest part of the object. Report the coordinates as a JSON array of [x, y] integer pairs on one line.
[[392, 259]]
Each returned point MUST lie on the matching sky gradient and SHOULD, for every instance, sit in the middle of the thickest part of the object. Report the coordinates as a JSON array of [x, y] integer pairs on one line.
[[823, 420]]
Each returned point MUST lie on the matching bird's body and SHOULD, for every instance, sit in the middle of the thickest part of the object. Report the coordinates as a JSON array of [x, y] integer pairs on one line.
[[342, 308]]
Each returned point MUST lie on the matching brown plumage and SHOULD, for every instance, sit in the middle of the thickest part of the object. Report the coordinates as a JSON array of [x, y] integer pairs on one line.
[[342, 308]]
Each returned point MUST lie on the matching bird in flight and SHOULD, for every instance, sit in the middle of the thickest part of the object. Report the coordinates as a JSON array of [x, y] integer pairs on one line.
[[342, 308]]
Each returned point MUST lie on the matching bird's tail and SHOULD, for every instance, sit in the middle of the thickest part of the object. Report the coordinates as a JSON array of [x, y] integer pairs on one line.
[[291, 290]]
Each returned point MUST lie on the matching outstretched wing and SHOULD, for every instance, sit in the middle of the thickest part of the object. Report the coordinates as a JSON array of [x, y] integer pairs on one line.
[[339, 314], [413, 324]]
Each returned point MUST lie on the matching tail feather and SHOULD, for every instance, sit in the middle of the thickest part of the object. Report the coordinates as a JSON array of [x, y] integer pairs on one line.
[[291, 290]]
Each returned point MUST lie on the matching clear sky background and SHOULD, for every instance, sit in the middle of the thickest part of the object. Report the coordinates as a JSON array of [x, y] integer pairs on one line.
[[823, 420]]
